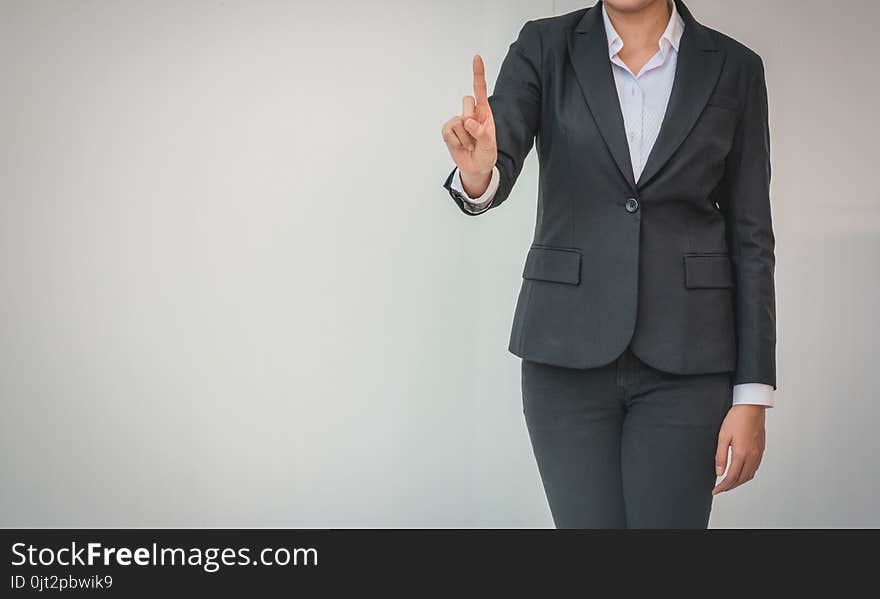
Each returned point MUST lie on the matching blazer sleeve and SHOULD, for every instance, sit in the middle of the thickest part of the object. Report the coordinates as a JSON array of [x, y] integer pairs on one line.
[[516, 108], [745, 204]]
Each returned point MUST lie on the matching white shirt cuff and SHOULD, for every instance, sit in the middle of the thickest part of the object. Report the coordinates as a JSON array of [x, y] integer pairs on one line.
[[482, 203], [753, 393]]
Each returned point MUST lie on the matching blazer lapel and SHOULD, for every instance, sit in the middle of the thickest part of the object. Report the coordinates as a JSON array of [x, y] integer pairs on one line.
[[697, 71], [588, 48]]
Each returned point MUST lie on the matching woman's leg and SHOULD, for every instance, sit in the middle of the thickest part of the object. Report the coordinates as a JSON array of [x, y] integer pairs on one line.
[[670, 433], [574, 420]]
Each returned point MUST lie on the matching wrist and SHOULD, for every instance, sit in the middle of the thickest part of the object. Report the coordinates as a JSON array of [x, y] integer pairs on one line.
[[477, 175], [476, 183]]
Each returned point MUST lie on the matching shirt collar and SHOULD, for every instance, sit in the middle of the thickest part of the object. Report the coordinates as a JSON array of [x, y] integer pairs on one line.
[[671, 35]]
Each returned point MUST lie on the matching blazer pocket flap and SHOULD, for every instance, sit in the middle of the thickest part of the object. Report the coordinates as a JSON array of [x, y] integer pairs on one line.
[[724, 101], [552, 264], [707, 271]]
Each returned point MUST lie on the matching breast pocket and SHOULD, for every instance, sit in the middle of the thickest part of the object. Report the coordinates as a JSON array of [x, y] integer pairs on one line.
[[724, 101], [712, 137]]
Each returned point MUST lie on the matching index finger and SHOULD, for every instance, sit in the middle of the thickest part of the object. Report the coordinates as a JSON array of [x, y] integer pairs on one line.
[[480, 80]]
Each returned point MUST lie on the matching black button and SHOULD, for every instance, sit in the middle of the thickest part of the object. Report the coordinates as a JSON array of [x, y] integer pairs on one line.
[[632, 205]]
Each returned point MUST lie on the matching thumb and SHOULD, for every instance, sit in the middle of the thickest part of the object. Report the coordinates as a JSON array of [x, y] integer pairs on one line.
[[721, 454], [473, 127], [483, 133]]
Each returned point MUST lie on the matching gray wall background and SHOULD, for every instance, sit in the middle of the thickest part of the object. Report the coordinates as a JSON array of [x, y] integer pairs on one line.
[[233, 292]]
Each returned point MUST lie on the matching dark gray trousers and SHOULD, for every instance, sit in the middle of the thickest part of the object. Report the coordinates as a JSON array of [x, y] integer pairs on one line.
[[625, 445]]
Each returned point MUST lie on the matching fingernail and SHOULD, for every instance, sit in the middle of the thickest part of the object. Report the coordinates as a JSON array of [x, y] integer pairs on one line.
[[718, 470]]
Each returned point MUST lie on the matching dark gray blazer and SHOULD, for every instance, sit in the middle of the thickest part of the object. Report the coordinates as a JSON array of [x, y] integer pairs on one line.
[[679, 264]]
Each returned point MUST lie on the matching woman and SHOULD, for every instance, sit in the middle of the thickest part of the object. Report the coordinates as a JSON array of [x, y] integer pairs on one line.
[[646, 317]]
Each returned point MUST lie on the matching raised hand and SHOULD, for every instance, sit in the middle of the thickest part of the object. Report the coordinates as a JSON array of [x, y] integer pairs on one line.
[[470, 137]]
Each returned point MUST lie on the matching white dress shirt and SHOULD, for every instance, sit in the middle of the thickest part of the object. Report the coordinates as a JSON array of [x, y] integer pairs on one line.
[[643, 99]]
